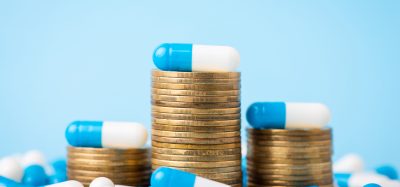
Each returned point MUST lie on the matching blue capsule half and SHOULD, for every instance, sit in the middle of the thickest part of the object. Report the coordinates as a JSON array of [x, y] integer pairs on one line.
[[84, 133], [173, 57], [34, 175], [389, 171], [168, 177]]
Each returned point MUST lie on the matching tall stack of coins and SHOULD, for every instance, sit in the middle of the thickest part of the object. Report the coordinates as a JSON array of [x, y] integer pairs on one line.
[[284, 157], [196, 123], [126, 167]]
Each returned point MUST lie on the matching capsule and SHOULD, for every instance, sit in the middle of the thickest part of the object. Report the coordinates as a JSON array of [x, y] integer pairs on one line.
[[349, 163], [10, 168], [70, 183], [360, 179], [34, 175], [168, 177], [192, 57], [119, 135], [281, 115]]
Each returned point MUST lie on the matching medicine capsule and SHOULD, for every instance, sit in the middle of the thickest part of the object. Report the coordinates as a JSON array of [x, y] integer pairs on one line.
[[281, 115], [192, 57], [349, 163], [119, 135], [10, 168], [34, 175], [363, 178], [168, 177]]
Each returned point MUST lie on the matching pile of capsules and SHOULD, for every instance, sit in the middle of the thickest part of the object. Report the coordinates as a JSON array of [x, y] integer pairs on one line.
[[272, 119]]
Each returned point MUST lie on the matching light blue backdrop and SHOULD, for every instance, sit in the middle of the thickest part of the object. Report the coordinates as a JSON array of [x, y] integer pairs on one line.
[[66, 60]]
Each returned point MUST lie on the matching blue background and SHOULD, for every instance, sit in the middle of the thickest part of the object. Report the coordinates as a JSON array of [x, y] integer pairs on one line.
[[66, 60]]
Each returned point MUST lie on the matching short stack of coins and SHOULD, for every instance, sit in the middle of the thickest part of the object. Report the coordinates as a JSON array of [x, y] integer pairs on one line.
[[196, 123], [289, 157], [123, 166]]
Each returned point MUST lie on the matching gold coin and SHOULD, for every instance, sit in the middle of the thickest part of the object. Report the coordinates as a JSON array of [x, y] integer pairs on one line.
[[229, 181], [74, 161], [212, 111], [289, 132], [195, 105], [289, 149], [106, 150], [107, 157], [196, 123], [108, 168], [196, 99], [252, 184], [199, 141], [289, 138], [193, 80], [195, 158], [290, 183], [195, 92], [230, 128], [230, 175], [110, 174], [290, 178], [206, 135], [197, 152], [200, 117], [288, 172], [288, 144], [194, 146], [282, 161], [197, 164], [288, 155], [291, 166], [200, 87], [84, 179], [204, 170], [200, 75]]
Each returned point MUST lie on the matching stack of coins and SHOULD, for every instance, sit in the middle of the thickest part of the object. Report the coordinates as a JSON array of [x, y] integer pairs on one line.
[[125, 167], [196, 123], [284, 157]]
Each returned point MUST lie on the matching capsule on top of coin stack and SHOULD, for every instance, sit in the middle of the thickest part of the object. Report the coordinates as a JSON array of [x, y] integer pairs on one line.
[[108, 149], [289, 145], [196, 116]]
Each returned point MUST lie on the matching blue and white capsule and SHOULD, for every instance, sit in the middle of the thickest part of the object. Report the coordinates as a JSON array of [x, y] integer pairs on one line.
[[118, 135], [281, 115], [361, 179], [192, 57], [168, 177]]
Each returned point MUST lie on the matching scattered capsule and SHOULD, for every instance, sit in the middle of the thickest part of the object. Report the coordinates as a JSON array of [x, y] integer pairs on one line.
[[70, 183], [10, 168], [281, 115], [389, 171], [120, 135], [192, 57], [101, 182], [363, 178], [168, 177], [349, 163], [34, 175], [372, 185]]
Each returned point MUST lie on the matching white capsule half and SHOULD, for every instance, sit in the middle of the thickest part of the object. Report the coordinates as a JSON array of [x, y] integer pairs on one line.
[[70, 183], [349, 163]]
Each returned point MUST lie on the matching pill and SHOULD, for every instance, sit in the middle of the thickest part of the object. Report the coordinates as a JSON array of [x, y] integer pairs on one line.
[[33, 157], [6, 182], [389, 171], [192, 57], [34, 175], [372, 185], [101, 182], [168, 177], [120, 135], [349, 163], [363, 178], [281, 115], [70, 183], [10, 168]]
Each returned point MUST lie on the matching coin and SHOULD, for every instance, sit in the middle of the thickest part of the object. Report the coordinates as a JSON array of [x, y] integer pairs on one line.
[[87, 162], [291, 166], [288, 155], [195, 105], [195, 158], [106, 150], [196, 128], [194, 146], [199, 141], [197, 123], [229, 175], [193, 80], [290, 178], [289, 138], [204, 75], [125, 180], [110, 174], [223, 152], [214, 111], [289, 132], [283, 160], [254, 142], [289, 183], [200, 87], [195, 92], [197, 164], [105, 157], [207, 135], [106, 168], [289, 172], [200, 117], [196, 99], [204, 170]]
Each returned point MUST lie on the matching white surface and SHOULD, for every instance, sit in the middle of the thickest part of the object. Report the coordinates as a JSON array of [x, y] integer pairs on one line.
[[33, 157], [306, 115], [214, 58], [349, 163], [123, 135], [202, 182], [10, 168], [70, 183], [101, 182]]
